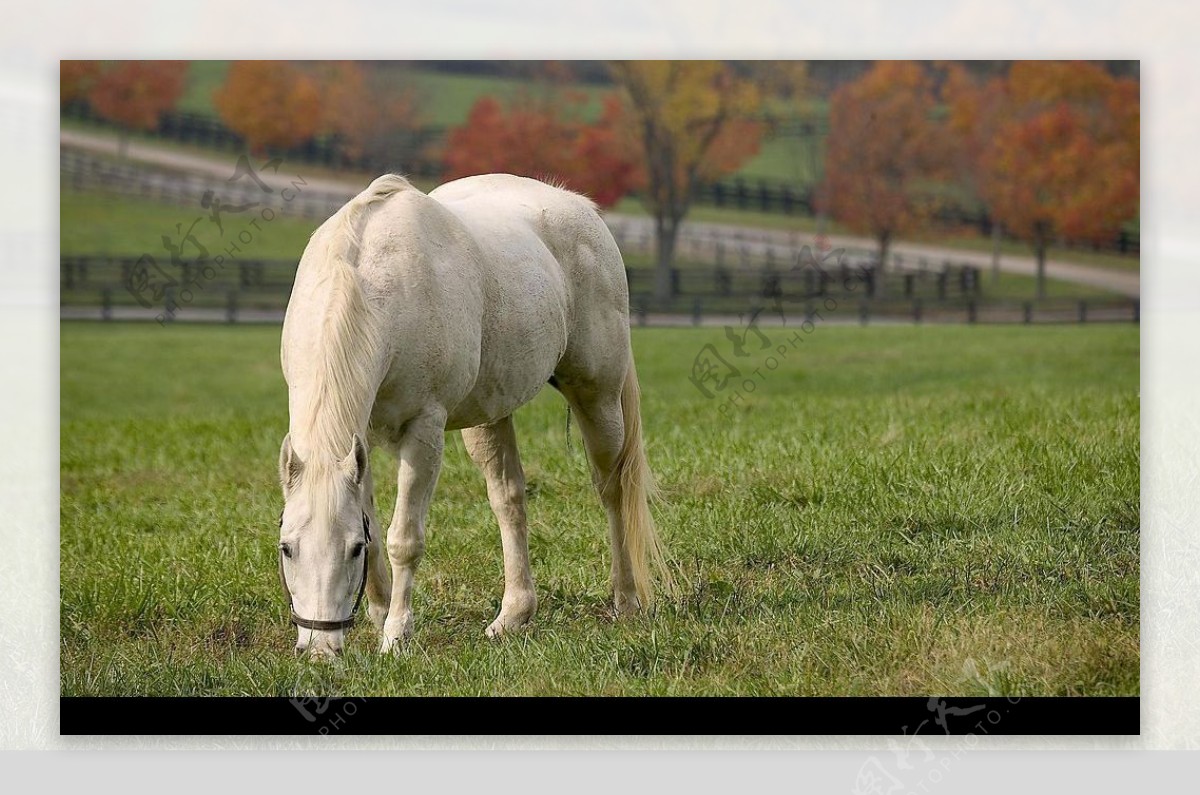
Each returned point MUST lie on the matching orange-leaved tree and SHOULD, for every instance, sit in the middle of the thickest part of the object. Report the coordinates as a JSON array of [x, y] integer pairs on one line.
[[1064, 164], [695, 121], [135, 94], [75, 80], [882, 146], [272, 104], [974, 112], [367, 117], [543, 137]]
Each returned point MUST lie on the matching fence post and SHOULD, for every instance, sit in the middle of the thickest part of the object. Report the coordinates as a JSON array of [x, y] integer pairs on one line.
[[231, 307], [723, 280], [1083, 311], [864, 310], [971, 312], [642, 312], [696, 311], [917, 311], [1028, 307], [908, 285], [106, 304], [941, 285], [169, 304]]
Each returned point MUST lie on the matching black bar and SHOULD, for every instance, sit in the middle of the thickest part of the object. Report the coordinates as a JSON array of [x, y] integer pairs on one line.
[[890, 715]]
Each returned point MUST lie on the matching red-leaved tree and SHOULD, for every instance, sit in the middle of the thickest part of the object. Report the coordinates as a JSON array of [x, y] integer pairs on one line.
[[1064, 164], [545, 139]]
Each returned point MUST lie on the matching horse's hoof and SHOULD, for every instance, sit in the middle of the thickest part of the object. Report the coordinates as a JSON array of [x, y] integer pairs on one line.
[[626, 604], [393, 646]]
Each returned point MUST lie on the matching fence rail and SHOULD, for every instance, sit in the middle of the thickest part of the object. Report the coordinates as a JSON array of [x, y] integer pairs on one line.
[[108, 288]]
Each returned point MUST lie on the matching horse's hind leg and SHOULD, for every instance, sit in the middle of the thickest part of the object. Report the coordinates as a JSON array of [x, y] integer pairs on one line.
[[420, 454], [494, 449], [599, 414]]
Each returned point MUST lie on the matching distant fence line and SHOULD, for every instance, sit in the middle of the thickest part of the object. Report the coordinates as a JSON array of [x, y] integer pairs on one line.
[[107, 288], [413, 154], [725, 272]]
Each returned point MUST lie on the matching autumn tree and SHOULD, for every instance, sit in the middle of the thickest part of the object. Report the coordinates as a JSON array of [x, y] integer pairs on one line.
[[543, 136], [270, 104], [75, 80], [135, 94], [882, 146], [1064, 164], [367, 118], [974, 111], [695, 122]]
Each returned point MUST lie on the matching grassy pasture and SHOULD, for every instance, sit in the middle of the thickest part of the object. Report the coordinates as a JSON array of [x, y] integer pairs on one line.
[[899, 510]]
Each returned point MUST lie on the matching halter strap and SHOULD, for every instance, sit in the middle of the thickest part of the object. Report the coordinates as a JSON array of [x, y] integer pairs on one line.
[[327, 626]]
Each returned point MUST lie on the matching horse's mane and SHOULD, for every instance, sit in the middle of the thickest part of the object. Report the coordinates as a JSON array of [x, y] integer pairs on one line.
[[347, 340]]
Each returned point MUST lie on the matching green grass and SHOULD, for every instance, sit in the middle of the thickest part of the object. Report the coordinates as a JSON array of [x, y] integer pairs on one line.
[[887, 505], [95, 223], [204, 78], [786, 159]]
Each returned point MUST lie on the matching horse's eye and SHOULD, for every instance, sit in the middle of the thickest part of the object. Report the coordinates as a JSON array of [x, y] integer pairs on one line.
[[286, 549], [357, 549]]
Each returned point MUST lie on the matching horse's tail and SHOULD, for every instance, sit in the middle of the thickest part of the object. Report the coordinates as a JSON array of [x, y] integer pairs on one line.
[[348, 221], [646, 552]]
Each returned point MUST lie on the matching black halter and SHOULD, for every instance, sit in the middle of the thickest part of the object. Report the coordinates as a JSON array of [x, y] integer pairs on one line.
[[346, 623]]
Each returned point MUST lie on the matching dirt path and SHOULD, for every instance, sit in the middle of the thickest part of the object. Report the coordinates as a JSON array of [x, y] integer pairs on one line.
[[1124, 282]]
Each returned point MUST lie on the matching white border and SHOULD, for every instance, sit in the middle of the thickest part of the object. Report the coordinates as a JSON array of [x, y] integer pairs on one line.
[[36, 35]]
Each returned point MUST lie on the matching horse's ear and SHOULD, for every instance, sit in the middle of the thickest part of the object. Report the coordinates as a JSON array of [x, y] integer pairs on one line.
[[355, 464], [290, 465]]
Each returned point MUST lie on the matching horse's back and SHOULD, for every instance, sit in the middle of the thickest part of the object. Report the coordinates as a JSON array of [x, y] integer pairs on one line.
[[569, 228]]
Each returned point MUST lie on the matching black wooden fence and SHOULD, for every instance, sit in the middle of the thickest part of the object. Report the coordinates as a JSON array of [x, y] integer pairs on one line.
[[107, 288]]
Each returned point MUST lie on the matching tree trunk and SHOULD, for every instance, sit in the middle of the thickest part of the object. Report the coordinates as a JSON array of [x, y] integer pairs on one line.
[[1041, 267], [996, 233], [666, 230], [881, 277], [885, 244]]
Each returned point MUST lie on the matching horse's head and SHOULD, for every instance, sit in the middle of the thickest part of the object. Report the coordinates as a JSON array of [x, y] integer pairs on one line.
[[324, 535]]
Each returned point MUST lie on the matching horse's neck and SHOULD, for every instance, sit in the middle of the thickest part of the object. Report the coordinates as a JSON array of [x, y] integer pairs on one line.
[[325, 420]]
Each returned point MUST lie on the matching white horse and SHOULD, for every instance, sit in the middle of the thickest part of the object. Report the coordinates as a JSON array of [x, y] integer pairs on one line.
[[416, 314]]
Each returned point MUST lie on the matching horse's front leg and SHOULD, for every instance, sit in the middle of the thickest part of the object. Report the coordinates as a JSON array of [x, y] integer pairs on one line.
[[379, 573], [420, 457]]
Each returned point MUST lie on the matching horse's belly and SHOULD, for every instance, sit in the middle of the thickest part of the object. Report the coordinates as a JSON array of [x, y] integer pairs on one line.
[[524, 337]]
